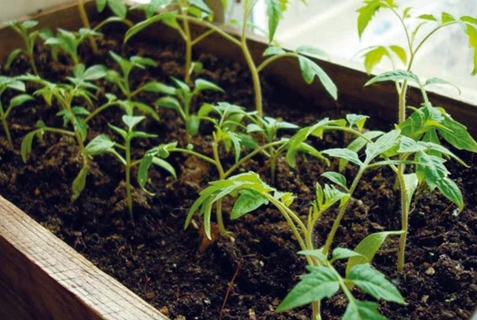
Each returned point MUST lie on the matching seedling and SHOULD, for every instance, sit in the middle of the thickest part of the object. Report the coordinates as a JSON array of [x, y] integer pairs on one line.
[[69, 41], [435, 121], [180, 98], [11, 83], [29, 38], [196, 8], [118, 8], [64, 94], [268, 128], [122, 81], [323, 281], [103, 144], [251, 193], [198, 14]]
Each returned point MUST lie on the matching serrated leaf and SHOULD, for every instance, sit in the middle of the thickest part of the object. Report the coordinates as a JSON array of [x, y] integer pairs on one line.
[[366, 13], [397, 75], [309, 70], [430, 168], [357, 120], [320, 283], [374, 283], [274, 15], [457, 135], [431, 81], [248, 201], [317, 253]]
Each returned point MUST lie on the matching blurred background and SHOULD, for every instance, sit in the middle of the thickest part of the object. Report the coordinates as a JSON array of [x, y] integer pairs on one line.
[[330, 25]]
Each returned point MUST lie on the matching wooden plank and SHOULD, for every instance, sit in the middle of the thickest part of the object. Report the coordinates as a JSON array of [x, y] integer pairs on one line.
[[43, 278]]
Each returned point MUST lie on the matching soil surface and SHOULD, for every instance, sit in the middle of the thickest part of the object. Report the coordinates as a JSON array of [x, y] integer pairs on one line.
[[245, 277]]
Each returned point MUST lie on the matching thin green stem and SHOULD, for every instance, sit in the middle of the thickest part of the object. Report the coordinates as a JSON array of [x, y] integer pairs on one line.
[[220, 169], [85, 20], [337, 221], [271, 59], [3, 116], [127, 170], [100, 109], [250, 155]]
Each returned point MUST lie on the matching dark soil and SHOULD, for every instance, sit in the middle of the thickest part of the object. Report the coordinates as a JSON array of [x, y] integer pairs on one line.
[[247, 277]]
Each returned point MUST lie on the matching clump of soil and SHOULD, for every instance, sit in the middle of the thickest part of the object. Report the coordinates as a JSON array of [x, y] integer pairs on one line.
[[247, 277]]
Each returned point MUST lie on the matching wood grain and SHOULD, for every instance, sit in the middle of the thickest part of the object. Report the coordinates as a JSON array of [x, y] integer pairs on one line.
[[43, 278]]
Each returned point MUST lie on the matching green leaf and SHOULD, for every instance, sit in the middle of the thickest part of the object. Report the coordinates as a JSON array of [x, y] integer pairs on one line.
[[18, 101], [411, 182], [357, 144], [12, 56], [192, 125], [362, 310], [430, 168], [118, 8], [273, 51], [431, 81], [344, 154], [99, 145], [451, 191], [101, 4], [79, 182], [367, 248], [274, 14], [336, 178], [309, 69], [384, 143], [397, 75], [343, 253], [374, 283], [164, 165], [248, 201], [26, 145], [158, 87], [167, 17], [311, 51], [169, 102], [201, 5], [374, 55], [143, 171], [81, 127], [95, 72], [357, 120], [317, 253], [320, 283], [132, 121], [457, 135], [366, 13], [201, 84]]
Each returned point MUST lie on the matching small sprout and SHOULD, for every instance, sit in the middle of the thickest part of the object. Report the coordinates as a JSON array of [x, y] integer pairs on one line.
[[29, 38], [103, 144]]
